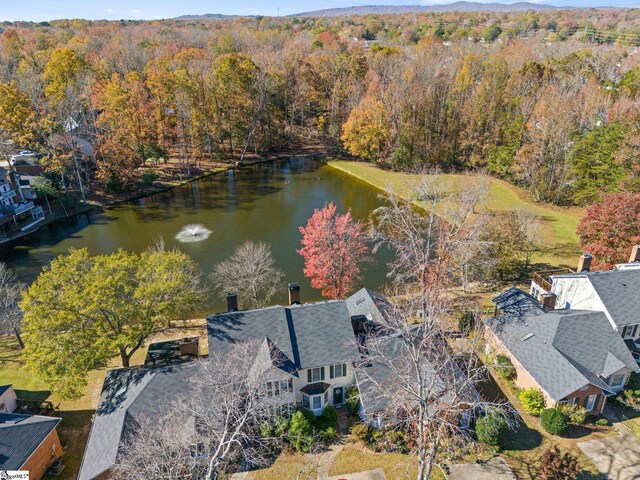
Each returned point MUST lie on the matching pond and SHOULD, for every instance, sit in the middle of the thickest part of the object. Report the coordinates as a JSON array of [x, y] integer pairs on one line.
[[265, 202]]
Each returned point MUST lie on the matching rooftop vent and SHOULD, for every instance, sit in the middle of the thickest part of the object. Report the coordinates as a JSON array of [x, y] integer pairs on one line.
[[526, 337]]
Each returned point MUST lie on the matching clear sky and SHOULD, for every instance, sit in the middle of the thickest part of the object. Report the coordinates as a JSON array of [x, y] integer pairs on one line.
[[40, 10]]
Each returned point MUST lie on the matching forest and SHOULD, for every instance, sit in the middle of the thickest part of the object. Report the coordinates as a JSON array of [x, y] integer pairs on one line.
[[547, 100]]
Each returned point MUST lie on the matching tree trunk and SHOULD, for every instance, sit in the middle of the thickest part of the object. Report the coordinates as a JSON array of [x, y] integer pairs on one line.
[[18, 337], [124, 357]]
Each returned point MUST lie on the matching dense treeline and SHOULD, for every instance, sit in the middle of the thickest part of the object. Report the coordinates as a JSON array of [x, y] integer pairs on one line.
[[547, 100]]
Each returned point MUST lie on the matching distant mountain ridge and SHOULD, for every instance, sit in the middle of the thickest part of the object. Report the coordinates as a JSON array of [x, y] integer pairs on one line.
[[450, 7]]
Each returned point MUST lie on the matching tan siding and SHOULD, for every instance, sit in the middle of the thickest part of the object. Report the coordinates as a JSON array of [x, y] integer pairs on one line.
[[42, 458]]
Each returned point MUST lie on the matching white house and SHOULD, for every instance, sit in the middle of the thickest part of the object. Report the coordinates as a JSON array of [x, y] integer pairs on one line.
[[8, 399], [613, 292]]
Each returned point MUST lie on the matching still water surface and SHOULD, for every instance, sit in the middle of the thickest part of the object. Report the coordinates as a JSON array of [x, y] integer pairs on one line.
[[266, 202]]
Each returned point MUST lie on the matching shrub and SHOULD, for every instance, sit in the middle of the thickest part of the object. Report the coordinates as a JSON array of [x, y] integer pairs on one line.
[[353, 401], [394, 441], [467, 322], [532, 400], [329, 418], [552, 420], [300, 433], [491, 429], [329, 434], [602, 422], [556, 466], [504, 367], [265, 429], [281, 425], [148, 177], [361, 432], [574, 414]]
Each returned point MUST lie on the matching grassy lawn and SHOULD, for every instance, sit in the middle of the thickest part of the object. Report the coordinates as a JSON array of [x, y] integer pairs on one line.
[[634, 426], [558, 225], [289, 466], [356, 458], [76, 414]]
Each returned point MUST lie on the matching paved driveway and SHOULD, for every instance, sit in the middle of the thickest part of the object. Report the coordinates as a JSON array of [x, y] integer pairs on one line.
[[493, 469], [617, 457]]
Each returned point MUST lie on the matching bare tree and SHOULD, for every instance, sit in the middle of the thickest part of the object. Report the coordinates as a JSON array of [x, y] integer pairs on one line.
[[10, 293], [411, 379], [212, 429], [431, 243], [250, 270]]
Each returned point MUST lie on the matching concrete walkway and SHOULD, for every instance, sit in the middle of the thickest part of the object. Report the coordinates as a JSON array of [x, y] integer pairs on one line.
[[377, 474], [493, 469], [616, 457], [326, 460]]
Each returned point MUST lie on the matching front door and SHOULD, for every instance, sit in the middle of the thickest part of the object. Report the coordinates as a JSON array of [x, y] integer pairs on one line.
[[338, 395]]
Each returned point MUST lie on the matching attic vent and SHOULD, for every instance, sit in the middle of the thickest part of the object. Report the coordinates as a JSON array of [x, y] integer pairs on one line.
[[526, 337], [360, 301]]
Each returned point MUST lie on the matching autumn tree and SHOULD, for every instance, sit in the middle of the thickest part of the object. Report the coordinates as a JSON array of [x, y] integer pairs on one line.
[[366, 131], [10, 313], [250, 271], [610, 228], [334, 250], [83, 310]]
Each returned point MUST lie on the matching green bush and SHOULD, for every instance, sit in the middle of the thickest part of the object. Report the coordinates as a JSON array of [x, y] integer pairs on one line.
[[394, 441], [491, 429], [148, 177], [281, 425], [552, 420], [329, 434], [602, 422], [353, 401], [532, 400], [574, 414], [265, 429], [361, 432], [329, 418], [300, 433], [467, 322], [504, 367]]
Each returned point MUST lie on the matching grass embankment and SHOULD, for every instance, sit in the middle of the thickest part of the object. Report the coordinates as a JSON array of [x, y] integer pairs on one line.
[[557, 224], [76, 414]]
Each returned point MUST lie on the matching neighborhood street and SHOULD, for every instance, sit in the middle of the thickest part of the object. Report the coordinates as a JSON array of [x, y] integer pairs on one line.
[[616, 457]]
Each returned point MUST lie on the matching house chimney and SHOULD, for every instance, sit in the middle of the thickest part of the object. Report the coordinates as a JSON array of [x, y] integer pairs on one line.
[[548, 300], [635, 254], [584, 265], [232, 301], [294, 294]]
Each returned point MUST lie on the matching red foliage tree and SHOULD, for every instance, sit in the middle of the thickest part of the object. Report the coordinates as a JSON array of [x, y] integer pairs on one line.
[[334, 249], [611, 228]]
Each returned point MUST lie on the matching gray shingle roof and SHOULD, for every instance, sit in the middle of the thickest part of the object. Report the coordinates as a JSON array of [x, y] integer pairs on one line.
[[369, 303], [619, 290], [563, 350], [127, 394], [20, 435], [310, 335]]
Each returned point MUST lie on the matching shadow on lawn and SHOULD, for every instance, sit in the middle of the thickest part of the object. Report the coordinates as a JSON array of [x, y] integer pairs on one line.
[[73, 432]]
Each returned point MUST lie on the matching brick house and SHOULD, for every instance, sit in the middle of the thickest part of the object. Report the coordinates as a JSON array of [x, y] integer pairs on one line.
[[573, 356], [29, 442]]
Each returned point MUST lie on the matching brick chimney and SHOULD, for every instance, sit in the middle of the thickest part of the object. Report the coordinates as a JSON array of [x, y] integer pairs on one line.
[[548, 300], [635, 254], [294, 294], [232, 302], [584, 265]]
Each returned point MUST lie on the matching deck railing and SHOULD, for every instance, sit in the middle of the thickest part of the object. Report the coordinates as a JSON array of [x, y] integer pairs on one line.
[[543, 278]]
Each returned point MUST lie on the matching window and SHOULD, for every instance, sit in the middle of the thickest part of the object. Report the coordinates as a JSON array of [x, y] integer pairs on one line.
[[279, 387], [317, 402], [305, 401], [315, 374], [338, 370], [629, 330], [567, 305], [618, 380]]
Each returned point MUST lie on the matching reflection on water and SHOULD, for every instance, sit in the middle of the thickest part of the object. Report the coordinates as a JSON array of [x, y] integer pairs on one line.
[[266, 202]]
